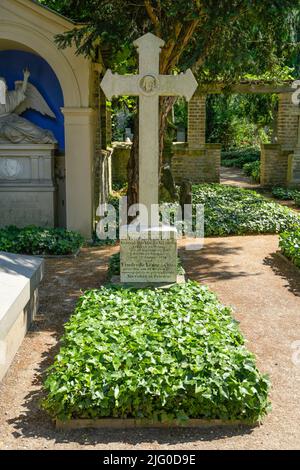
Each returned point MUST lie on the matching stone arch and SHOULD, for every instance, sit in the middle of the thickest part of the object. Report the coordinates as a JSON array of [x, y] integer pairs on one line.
[[43, 46]]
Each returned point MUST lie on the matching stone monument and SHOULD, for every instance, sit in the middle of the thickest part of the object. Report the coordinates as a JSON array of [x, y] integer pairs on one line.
[[26, 158], [149, 256]]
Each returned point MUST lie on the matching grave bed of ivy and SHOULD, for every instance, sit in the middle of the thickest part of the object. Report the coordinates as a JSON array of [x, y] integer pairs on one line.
[[289, 243], [236, 211], [33, 240], [154, 354]]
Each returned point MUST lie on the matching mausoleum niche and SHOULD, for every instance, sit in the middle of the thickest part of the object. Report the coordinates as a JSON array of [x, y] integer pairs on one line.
[[43, 78]]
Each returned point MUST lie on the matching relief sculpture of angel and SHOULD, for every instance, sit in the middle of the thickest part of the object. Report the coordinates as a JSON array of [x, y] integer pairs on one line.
[[13, 127]]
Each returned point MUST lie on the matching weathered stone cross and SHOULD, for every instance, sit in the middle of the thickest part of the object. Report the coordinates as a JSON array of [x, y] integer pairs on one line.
[[149, 85]]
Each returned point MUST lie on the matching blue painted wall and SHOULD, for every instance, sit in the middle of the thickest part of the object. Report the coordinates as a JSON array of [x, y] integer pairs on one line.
[[42, 76]]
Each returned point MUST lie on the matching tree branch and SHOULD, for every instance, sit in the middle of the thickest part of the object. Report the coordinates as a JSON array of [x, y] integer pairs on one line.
[[153, 17]]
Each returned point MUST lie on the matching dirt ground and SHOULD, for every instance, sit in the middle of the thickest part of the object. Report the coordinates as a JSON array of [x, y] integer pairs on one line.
[[245, 272]]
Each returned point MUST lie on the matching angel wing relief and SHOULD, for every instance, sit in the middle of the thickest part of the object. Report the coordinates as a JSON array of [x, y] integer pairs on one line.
[[33, 100], [16, 129]]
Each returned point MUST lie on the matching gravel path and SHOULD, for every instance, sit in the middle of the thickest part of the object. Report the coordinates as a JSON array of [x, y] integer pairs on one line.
[[245, 272]]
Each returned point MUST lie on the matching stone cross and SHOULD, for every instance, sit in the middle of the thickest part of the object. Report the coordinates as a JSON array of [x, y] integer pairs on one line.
[[149, 85], [2, 92]]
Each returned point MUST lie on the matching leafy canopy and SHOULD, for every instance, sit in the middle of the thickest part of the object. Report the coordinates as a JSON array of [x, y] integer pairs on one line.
[[223, 40]]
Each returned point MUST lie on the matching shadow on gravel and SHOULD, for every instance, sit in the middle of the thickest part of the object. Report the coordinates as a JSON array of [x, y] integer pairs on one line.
[[286, 270], [214, 261]]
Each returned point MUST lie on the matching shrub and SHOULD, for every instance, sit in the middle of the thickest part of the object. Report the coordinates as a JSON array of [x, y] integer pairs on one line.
[[34, 240], [296, 198], [289, 243], [239, 157], [284, 194], [252, 170], [155, 354], [235, 211]]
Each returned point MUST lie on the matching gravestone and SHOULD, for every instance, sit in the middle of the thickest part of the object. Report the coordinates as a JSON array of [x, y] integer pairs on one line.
[[150, 254]]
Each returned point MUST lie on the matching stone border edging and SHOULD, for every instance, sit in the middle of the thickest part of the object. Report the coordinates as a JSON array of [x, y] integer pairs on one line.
[[287, 260], [131, 423]]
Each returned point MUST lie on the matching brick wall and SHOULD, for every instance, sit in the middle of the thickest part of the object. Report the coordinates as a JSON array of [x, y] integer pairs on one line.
[[274, 165], [200, 165], [287, 122], [196, 121]]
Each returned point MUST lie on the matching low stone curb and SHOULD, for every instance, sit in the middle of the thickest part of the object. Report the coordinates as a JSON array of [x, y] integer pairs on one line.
[[115, 423], [288, 261]]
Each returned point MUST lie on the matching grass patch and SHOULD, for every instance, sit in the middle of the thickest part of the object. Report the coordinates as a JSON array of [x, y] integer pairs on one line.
[[154, 354], [289, 243], [235, 211], [33, 240]]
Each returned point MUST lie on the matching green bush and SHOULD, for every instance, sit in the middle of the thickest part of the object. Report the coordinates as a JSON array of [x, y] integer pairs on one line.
[[239, 157], [155, 354], [34, 240], [235, 211], [252, 170], [289, 243], [296, 198], [283, 194]]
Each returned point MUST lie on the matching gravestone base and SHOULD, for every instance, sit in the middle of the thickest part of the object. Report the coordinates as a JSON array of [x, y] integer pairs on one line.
[[116, 281], [148, 257], [27, 189]]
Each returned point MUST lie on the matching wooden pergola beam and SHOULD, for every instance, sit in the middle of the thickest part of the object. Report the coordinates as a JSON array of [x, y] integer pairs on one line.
[[249, 87]]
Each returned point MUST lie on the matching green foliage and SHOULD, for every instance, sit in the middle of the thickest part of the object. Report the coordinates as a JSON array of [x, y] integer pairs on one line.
[[34, 240], [289, 243], [238, 157], [231, 38], [241, 120], [235, 211], [252, 170], [296, 198], [284, 194], [156, 354]]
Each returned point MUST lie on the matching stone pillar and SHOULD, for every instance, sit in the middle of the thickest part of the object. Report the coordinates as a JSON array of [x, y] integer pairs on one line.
[[274, 165], [197, 121], [287, 122], [80, 142]]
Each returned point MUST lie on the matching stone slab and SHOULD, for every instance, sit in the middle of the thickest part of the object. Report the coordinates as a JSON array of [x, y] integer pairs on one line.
[[27, 188], [19, 280], [116, 280], [148, 261]]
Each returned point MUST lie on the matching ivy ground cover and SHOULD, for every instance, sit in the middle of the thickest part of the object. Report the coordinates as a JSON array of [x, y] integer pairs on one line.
[[154, 354], [236, 211], [33, 240], [289, 243]]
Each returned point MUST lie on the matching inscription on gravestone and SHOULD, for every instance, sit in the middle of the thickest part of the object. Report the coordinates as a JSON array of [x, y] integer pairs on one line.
[[148, 260]]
